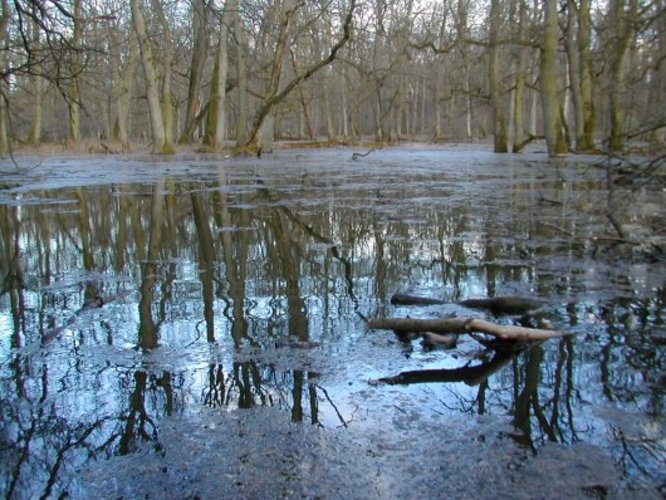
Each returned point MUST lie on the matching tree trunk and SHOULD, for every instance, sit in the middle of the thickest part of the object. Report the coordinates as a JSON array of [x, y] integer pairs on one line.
[[304, 101], [623, 21], [152, 92], [518, 123], [587, 102], [328, 108], [241, 73], [4, 90], [38, 90], [122, 85], [166, 63], [578, 51], [550, 100], [74, 102], [344, 119], [573, 54], [216, 113], [497, 101], [199, 51]]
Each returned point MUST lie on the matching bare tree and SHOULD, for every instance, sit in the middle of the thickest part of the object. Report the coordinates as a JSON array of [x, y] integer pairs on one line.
[[273, 95]]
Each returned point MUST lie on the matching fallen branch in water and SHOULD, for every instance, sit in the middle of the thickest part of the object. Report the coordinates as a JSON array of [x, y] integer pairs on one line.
[[465, 325], [496, 305], [356, 156]]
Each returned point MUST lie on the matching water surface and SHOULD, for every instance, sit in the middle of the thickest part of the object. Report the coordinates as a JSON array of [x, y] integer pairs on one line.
[[197, 326]]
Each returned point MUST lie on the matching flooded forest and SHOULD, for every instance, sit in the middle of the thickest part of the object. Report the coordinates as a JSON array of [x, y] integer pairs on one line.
[[341, 249]]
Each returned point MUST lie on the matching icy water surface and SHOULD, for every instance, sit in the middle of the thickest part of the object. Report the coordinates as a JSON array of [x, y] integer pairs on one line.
[[197, 327]]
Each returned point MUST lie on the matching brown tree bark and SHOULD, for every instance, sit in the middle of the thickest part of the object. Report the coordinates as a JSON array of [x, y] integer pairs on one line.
[[197, 63], [464, 325], [550, 98], [497, 100]]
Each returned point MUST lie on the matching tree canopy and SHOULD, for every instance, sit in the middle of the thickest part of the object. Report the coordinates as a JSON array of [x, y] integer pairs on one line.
[[582, 74]]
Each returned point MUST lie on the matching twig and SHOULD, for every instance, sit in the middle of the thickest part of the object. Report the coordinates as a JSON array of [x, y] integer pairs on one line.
[[356, 156]]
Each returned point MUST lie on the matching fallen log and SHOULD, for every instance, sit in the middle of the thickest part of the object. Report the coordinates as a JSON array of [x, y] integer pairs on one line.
[[464, 325], [496, 305], [503, 305], [402, 299]]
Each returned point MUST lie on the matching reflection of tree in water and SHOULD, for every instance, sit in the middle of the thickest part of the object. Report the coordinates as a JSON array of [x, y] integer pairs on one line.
[[542, 399], [305, 270], [36, 444], [138, 424], [250, 384]]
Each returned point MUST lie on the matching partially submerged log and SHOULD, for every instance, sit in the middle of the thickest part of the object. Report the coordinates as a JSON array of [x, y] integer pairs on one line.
[[465, 325], [503, 305], [496, 305], [402, 299]]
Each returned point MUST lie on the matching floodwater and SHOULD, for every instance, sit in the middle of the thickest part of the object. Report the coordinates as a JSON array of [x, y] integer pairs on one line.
[[196, 327]]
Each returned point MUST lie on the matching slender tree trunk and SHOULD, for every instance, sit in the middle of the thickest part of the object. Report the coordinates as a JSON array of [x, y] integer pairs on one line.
[[518, 122], [123, 79], [424, 99], [199, 52], [573, 54], [345, 113], [38, 89], [439, 98], [166, 63], [550, 100], [328, 108], [74, 90], [4, 120], [578, 51], [307, 119], [241, 73], [623, 16], [152, 92], [585, 60], [36, 129], [497, 100], [215, 133], [4, 90], [657, 92]]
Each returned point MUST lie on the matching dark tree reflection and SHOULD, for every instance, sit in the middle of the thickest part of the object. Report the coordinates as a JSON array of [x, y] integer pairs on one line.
[[249, 287]]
